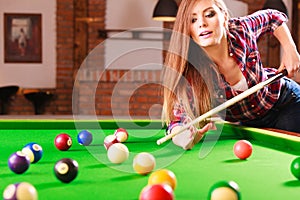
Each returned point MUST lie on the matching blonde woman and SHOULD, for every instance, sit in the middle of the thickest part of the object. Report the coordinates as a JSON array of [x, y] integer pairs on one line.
[[207, 48]]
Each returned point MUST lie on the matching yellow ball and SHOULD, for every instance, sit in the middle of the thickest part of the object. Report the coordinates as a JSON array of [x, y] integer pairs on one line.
[[144, 163], [21, 191], [163, 176]]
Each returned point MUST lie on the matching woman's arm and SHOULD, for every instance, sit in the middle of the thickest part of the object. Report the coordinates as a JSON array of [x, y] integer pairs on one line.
[[290, 58]]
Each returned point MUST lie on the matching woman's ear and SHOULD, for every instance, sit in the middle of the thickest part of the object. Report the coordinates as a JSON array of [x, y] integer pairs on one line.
[[226, 18]]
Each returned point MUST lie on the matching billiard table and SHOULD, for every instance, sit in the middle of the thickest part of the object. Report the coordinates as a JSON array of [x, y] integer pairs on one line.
[[264, 175]]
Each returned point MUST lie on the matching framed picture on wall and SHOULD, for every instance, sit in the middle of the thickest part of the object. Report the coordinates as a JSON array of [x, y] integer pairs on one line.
[[22, 38]]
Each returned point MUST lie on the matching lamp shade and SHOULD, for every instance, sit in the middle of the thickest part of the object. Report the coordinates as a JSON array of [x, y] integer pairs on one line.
[[165, 10]]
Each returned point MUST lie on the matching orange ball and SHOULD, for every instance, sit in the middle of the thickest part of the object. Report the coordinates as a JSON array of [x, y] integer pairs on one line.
[[242, 149], [163, 176]]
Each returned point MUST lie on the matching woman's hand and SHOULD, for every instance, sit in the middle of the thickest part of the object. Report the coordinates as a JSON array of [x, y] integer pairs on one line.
[[188, 138], [290, 58], [290, 62], [200, 132]]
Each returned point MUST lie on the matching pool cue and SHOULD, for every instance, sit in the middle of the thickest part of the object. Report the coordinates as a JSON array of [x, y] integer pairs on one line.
[[225, 105]]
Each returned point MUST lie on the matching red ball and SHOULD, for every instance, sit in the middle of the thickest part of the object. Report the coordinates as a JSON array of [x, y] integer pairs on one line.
[[110, 140], [242, 149], [121, 134], [63, 142], [157, 192]]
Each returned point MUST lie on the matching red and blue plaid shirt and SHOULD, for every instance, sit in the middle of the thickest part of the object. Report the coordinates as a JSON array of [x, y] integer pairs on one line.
[[243, 34]]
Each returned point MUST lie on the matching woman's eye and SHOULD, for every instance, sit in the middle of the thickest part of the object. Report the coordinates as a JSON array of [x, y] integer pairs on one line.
[[194, 20], [210, 14]]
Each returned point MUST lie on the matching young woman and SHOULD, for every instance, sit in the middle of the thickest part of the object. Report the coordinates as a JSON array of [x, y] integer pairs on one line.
[[209, 48]]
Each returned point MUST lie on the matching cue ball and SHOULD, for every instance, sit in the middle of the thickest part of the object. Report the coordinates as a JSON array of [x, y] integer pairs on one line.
[[110, 140], [144, 163], [242, 149], [18, 162], [121, 134], [84, 138], [117, 153], [163, 176], [157, 191], [295, 167], [34, 151], [20, 191], [66, 170], [63, 142], [224, 190]]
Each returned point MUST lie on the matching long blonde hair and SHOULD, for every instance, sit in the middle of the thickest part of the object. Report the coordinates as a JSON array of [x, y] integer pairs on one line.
[[187, 65]]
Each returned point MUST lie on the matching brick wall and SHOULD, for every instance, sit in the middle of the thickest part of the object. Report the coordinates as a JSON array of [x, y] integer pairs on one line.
[[94, 91]]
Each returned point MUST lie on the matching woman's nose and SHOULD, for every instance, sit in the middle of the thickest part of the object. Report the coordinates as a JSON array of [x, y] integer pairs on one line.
[[202, 23]]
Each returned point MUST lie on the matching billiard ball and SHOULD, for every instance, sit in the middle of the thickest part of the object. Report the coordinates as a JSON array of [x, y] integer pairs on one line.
[[163, 176], [117, 153], [66, 169], [224, 190], [20, 191], [295, 167], [242, 149], [143, 163], [157, 191], [84, 138], [18, 162], [63, 141], [110, 140], [34, 151], [121, 134]]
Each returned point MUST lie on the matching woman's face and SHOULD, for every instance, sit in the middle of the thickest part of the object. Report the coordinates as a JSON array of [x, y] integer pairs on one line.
[[208, 24]]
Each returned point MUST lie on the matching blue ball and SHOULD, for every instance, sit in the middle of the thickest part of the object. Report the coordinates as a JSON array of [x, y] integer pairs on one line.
[[84, 138], [34, 151]]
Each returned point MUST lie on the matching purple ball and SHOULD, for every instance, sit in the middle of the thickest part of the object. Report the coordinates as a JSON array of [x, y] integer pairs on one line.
[[18, 162]]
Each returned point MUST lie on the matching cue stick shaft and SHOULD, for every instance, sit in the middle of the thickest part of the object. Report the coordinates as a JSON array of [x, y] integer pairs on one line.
[[224, 105]]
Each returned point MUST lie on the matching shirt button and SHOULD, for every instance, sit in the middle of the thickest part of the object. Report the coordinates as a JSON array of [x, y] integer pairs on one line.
[[258, 113], [230, 54], [252, 106], [221, 96], [254, 60]]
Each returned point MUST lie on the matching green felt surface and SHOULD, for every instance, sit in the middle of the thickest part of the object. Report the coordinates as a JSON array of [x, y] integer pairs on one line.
[[265, 175]]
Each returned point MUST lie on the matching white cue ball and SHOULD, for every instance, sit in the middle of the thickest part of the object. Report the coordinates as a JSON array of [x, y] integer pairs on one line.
[[144, 163], [117, 153]]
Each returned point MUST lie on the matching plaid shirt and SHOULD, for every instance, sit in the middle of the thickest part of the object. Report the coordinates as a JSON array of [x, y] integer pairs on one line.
[[243, 33]]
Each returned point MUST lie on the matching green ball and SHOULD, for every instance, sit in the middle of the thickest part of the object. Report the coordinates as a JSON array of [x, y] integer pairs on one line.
[[295, 167], [224, 190]]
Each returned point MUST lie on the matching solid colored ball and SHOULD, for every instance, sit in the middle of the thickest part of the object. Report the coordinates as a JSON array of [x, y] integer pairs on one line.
[[63, 142], [163, 176], [157, 192], [18, 162], [84, 138], [20, 191], [117, 153], [224, 190], [121, 134], [110, 140], [66, 170], [34, 151], [242, 149], [144, 163], [295, 167]]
